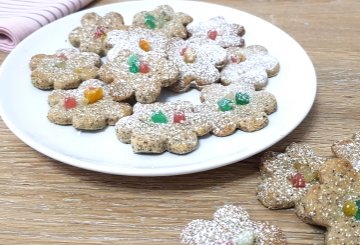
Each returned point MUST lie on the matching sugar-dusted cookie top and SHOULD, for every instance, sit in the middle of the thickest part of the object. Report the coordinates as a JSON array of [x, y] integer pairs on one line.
[[145, 75], [65, 69], [252, 64], [91, 34], [231, 225], [349, 149], [198, 63], [335, 202], [137, 40], [164, 19], [218, 31], [163, 126], [287, 176], [89, 107], [236, 106]]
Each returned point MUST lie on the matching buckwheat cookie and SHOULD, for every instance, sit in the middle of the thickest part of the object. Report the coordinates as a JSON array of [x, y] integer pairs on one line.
[[287, 176], [335, 203], [89, 107], [349, 149], [164, 19], [198, 63], [218, 31], [252, 64], [231, 226], [163, 126], [145, 76], [91, 34], [236, 106], [65, 69], [137, 40]]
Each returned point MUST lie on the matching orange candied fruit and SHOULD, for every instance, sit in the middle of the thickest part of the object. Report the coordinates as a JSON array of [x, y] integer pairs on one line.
[[144, 45], [93, 94]]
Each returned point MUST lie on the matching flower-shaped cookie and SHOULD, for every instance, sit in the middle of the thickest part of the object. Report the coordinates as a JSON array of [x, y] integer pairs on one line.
[[163, 126], [137, 40], [198, 63], [236, 106], [91, 34], [218, 31], [65, 69], [145, 76], [252, 64], [287, 176], [164, 19], [349, 149], [335, 202], [231, 226], [89, 107]]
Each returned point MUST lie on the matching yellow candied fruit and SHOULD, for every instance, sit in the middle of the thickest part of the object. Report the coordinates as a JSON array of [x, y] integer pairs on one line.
[[350, 208], [144, 45], [93, 94]]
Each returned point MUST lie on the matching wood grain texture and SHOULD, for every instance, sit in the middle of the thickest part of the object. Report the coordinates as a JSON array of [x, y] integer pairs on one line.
[[43, 201]]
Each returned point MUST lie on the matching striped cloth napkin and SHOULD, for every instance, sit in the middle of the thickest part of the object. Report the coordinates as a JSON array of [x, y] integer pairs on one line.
[[19, 18]]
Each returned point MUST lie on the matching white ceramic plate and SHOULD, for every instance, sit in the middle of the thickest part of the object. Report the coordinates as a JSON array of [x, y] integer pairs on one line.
[[24, 108]]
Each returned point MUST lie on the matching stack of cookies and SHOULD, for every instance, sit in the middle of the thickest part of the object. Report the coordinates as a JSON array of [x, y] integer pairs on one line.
[[115, 73], [322, 191]]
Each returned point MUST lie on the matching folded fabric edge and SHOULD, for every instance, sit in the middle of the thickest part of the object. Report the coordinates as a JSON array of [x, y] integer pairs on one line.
[[13, 30]]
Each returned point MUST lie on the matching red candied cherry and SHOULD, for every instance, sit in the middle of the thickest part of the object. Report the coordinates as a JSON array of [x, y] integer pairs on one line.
[[70, 103]]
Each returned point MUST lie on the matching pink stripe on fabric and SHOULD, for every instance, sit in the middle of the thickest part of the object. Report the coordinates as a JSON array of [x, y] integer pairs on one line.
[[19, 18]]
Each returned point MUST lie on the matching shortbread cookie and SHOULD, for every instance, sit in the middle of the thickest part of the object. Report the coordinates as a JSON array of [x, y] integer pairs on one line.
[[218, 31], [91, 34], [137, 40], [163, 126], [145, 75], [164, 19], [237, 106], [231, 226], [287, 176], [349, 149], [90, 107], [252, 64], [335, 203], [198, 63], [65, 69]]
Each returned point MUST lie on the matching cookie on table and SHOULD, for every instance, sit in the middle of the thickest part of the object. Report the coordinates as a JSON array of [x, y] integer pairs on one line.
[[144, 76], [349, 149], [66, 69], [163, 126], [218, 31], [137, 40], [231, 225], [89, 107], [198, 63], [163, 18], [236, 106], [90, 36], [287, 176], [335, 202], [252, 64]]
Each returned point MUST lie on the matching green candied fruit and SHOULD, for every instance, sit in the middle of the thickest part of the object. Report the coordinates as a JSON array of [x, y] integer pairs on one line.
[[225, 104], [134, 64], [158, 117], [150, 21], [134, 69], [357, 215], [242, 98], [133, 60]]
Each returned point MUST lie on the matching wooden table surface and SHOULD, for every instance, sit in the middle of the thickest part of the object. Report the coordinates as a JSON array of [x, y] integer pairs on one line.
[[44, 201]]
